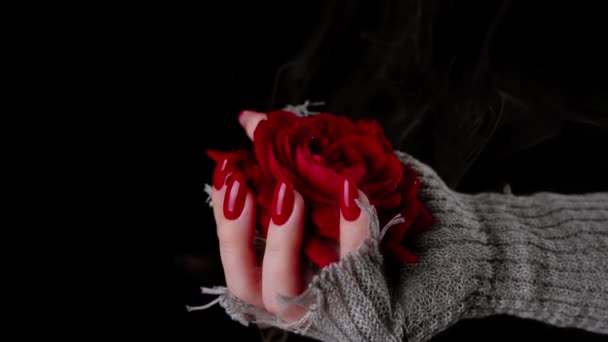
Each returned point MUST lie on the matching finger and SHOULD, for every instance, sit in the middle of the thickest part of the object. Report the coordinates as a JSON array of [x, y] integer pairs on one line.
[[354, 225], [281, 269], [234, 211], [250, 120]]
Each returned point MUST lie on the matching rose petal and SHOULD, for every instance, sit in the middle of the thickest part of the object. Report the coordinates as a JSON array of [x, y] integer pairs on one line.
[[391, 201], [349, 154], [265, 192], [333, 127], [409, 213], [388, 166], [410, 184], [288, 138], [308, 194], [301, 134], [382, 189], [355, 173], [387, 181], [244, 161], [281, 118], [260, 181], [326, 219], [278, 171], [407, 187], [232, 156], [263, 221], [320, 180], [373, 128], [398, 231], [321, 251], [262, 146], [423, 222], [284, 150], [366, 150], [332, 154], [217, 156], [398, 252]]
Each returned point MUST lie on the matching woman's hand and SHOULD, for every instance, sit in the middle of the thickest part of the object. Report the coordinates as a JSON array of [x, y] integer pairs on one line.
[[279, 274], [536, 257]]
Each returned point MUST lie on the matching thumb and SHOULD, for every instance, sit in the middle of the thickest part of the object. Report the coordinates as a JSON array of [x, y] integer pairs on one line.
[[250, 120]]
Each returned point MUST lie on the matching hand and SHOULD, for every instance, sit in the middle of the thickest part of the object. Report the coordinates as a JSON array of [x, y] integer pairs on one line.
[[279, 274], [485, 254]]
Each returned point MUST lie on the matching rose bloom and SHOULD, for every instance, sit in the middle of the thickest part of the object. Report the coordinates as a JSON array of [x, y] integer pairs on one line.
[[316, 154]]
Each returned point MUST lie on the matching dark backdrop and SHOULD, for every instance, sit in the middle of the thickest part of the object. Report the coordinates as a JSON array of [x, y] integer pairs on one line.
[[200, 66]]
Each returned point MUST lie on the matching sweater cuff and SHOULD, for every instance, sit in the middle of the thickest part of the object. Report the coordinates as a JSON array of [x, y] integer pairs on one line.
[[348, 300]]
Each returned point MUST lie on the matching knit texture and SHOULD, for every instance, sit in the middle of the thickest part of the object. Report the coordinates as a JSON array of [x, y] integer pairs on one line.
[[541, 257]]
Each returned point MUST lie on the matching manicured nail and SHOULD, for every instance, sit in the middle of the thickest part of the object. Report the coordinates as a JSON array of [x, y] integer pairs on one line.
[[236, 193], [282, 203], [350, 209], [219, 174]]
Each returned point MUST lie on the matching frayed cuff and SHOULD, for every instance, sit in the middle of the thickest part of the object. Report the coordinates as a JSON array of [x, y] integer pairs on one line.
[[329, 315]]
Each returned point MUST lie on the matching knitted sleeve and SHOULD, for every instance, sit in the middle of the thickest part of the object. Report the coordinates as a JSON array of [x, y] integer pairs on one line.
[[541, 257]]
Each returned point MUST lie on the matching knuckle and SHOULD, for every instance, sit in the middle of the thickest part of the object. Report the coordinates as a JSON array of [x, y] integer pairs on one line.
[[276, 243], [351, 247], [274, 248], [245, 296], [271, 306], [229, 238]]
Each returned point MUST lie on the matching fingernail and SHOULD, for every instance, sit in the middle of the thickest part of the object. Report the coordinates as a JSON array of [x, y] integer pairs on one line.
[[282, 203], [236, 193], [220, 173], [350, 209]]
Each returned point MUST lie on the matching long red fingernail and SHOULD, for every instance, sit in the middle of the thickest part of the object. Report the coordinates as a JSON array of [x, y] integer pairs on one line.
[[282, 203], [220, 173], [236, 193], [350, 209]]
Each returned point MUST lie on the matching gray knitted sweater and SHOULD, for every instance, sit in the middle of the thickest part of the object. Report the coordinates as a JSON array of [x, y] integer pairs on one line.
[[541, 257]]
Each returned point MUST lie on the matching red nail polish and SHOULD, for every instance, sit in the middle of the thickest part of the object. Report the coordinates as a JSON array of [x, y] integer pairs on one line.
[[220, 173], [350, 209], [236, 193], [282, 203]]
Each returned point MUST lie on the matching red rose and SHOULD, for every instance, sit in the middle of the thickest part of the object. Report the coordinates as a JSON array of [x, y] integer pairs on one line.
[[316, 154]]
